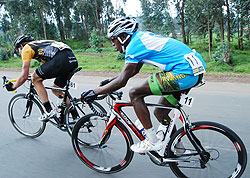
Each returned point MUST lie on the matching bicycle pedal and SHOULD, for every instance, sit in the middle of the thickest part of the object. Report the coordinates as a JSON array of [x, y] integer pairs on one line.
[[142, 154]]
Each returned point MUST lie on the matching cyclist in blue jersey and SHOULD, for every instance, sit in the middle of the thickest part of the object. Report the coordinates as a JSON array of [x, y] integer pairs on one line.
[[182, 68]]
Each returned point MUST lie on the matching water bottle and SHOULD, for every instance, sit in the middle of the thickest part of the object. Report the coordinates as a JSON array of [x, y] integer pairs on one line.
[[140, 127], [163, 127]]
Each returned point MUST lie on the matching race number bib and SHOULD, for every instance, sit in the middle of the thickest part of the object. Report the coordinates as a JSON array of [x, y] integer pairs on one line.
[[73, 85], [195, 63], [186, 100]]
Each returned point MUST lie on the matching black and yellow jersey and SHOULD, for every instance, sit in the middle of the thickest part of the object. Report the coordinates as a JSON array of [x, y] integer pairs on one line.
[[42, 50]]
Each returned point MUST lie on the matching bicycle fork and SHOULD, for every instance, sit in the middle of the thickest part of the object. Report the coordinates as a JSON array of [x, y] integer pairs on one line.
[[29, 106], [105, 135]]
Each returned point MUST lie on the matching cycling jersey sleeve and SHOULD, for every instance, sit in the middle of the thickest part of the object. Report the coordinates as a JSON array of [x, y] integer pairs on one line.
[[27, 53]]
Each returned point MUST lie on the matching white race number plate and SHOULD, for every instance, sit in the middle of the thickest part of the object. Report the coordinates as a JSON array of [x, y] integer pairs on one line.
[[73, 85], [186, 100]]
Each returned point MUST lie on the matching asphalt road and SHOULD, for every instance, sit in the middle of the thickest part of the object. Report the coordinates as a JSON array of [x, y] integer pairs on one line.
[[51, 155]]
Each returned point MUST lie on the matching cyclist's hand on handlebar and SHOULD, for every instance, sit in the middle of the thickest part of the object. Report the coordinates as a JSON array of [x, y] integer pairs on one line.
[[88, 96], [9, 86], [104, 82]]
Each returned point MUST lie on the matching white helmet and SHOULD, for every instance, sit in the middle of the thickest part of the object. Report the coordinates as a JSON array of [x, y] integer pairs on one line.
[[127, 25]]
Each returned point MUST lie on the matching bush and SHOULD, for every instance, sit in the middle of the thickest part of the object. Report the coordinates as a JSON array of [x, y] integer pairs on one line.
[[77, 45], [120, 56], [34, 64], [4, 54], [223, 53], [96, 40]]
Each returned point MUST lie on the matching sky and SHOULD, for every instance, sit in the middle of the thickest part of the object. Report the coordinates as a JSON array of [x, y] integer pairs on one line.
[[132, 8]]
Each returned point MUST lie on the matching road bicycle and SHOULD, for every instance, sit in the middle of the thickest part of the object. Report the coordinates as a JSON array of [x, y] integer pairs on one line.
[[102, 142], [25, 109]]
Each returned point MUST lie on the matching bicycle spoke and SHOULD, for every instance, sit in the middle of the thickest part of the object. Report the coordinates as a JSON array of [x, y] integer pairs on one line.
[[24, 116], [112, 156], [224, 158], [81, 109]]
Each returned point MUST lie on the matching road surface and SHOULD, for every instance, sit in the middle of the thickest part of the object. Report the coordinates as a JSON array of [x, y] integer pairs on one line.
[[51, 155]]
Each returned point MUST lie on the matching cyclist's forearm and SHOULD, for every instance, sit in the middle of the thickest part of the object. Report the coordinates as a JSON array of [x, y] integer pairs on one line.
[[121, 80], [24, 75], [19, 82], [114, 85]]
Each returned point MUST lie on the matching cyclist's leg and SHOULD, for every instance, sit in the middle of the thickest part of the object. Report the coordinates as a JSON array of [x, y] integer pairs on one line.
[[40, 89], [137, 95], [170, 85], [68, 63], [59, 66], [162, 115], [43, 72], [172, 97]]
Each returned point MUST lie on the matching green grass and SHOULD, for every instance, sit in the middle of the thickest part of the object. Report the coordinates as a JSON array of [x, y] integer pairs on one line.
[[240, 64], [107, 61], [16, 63]]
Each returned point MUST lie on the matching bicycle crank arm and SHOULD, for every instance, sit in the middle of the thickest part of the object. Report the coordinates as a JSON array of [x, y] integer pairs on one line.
[[158, 160], [172, 160], [155, 157]]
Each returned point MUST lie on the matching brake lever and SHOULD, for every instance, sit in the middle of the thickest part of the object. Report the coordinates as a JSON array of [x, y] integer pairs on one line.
[[4, 80]]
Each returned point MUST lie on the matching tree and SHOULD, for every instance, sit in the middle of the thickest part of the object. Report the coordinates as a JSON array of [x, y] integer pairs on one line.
[[155, 17], [228, 21], [180, 5], [242, 8]]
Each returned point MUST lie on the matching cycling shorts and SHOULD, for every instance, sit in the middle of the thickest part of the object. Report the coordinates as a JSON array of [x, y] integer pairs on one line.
[[58, 67], [171, 85]]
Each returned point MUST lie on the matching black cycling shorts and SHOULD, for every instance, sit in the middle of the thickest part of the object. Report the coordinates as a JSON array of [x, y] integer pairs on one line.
[[58, 67]]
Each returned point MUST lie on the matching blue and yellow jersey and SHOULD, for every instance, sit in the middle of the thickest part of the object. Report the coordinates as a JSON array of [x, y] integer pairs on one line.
[[166, 53]]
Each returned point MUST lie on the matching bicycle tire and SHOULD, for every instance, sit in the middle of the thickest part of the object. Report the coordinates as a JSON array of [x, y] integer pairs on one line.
[[82, 109], [113, 156], [227, 153], [28, 124]]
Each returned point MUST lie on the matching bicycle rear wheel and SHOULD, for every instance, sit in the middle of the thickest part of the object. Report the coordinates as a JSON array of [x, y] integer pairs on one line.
[[226, 152], [112, 156], [24, 113], [81, 110]]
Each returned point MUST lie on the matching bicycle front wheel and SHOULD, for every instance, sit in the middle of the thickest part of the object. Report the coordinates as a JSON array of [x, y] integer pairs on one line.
[[24, 113], [226, 153], [76, 111], [112, 155]]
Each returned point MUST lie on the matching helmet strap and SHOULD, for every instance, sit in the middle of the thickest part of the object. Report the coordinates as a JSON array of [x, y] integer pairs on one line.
[[124, 43]]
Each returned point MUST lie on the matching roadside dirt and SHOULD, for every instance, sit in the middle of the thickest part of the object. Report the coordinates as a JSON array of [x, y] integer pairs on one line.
[[207, 77]]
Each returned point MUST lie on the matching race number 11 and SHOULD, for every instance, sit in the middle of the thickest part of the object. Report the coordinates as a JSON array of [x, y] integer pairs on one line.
[[186, 100]]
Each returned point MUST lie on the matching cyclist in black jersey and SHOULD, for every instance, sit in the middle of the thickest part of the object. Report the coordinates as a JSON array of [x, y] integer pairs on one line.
[[58, 61]]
